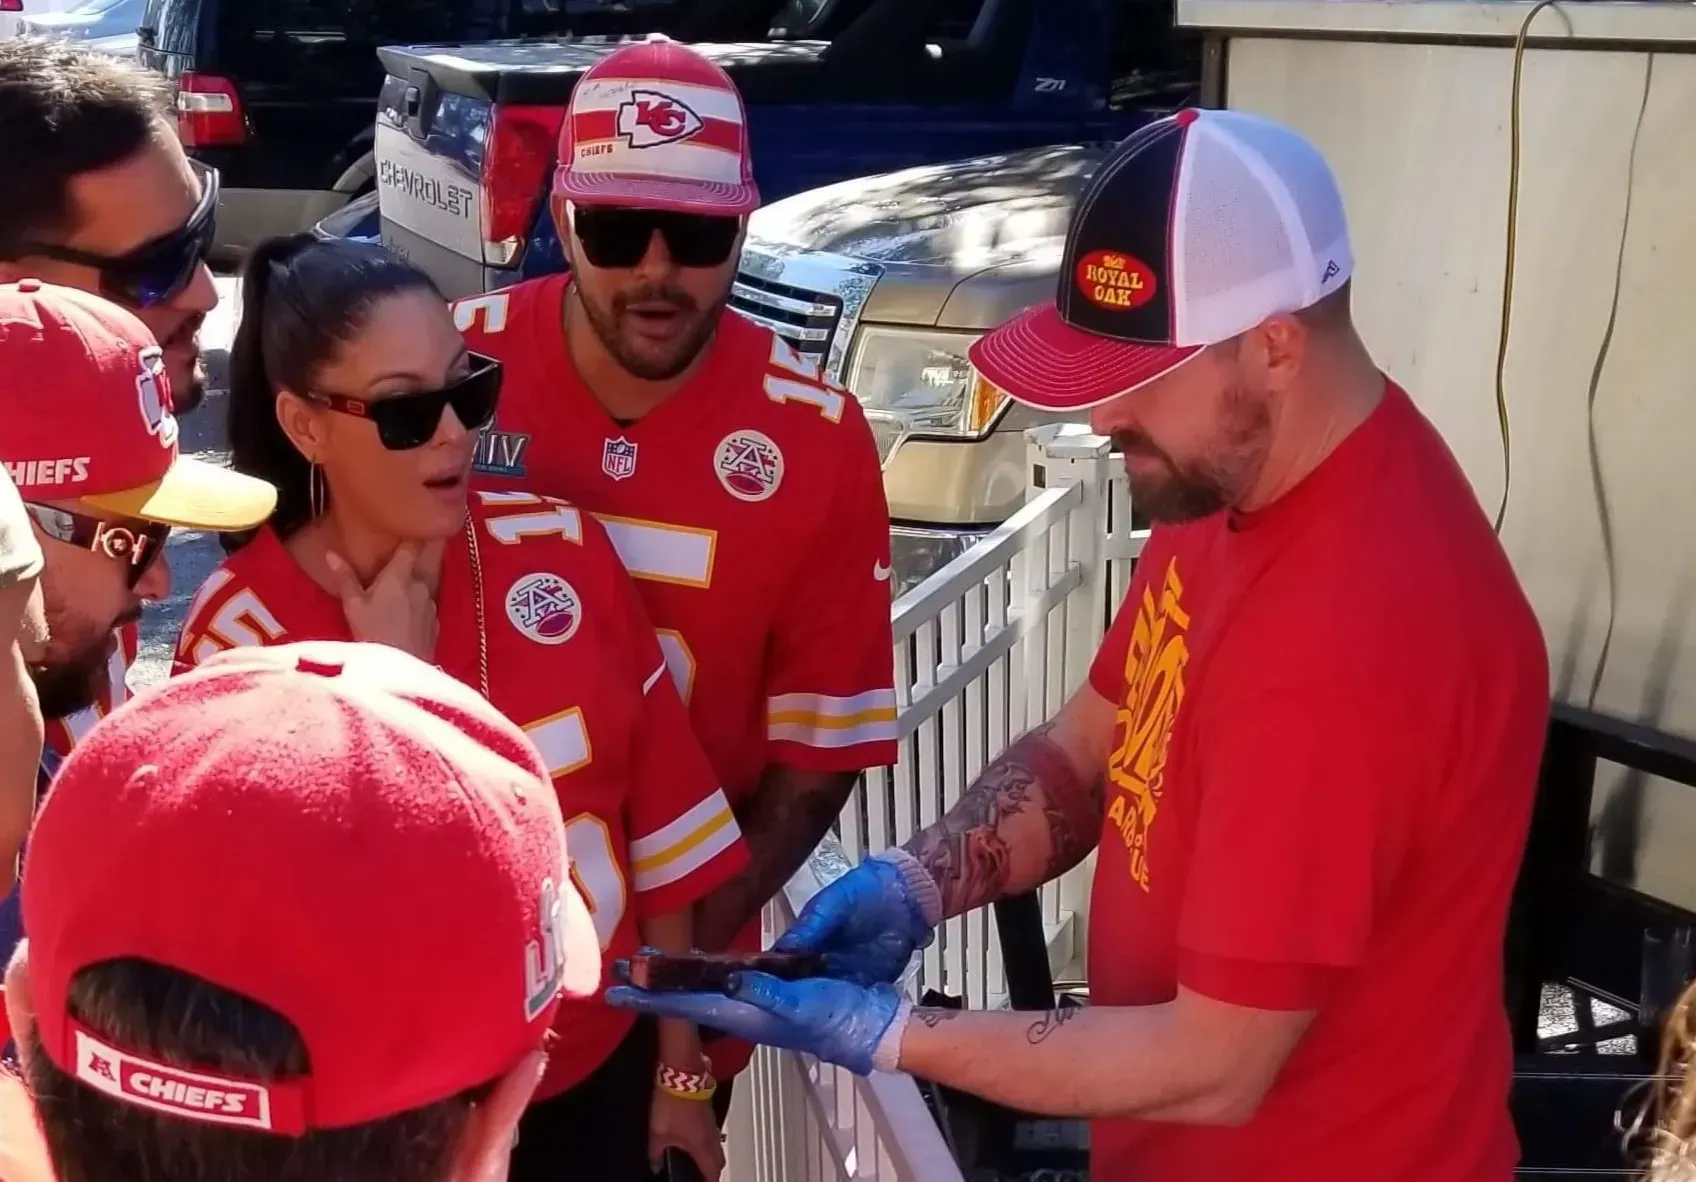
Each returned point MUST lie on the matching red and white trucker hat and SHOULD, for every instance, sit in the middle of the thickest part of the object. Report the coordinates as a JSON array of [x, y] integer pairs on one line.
[[87, 406], [1193, 230], [657, 126], [336, 831]]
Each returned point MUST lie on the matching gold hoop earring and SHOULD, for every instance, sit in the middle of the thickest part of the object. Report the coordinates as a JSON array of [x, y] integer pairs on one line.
[[315, 491]]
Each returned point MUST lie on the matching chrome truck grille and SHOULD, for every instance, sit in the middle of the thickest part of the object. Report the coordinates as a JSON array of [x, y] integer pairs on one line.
[[806, 319]]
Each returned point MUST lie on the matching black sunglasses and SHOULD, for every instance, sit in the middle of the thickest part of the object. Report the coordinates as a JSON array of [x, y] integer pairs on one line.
[[618, 238], [155, 272], [406, 421], [139, 543]]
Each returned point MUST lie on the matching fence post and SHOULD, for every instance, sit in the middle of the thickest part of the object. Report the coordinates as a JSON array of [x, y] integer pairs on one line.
[[1069, 453]]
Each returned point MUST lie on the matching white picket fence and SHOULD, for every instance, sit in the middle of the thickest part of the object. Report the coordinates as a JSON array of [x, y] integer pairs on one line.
[[985, 648]]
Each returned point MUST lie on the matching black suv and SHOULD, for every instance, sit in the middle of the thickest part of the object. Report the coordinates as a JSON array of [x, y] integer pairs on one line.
[[279, 95]]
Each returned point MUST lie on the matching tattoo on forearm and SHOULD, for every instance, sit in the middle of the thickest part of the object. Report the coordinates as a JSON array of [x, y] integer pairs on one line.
[[782, 821], [933, 1017], [967, 852], [1046, 1025]]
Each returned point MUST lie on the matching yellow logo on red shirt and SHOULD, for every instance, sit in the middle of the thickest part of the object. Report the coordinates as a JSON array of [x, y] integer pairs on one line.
[[1154, 691]]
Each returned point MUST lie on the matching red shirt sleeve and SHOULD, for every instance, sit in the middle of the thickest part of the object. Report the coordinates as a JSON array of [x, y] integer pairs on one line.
[[684, 840], [831, 675], [1279, 901]]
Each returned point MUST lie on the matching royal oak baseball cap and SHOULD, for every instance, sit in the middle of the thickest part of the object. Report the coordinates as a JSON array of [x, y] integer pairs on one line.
[[655, 125], [89, 416], [1192, 231], [338, 832]]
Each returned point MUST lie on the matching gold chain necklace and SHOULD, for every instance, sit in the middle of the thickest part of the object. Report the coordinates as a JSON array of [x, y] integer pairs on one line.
[[477, 600]]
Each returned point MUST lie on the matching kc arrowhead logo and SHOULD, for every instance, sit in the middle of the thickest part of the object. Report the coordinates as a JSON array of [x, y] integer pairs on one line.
[[649, 118]]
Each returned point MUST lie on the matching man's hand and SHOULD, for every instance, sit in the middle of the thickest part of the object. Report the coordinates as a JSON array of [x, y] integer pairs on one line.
[[838, 1021], [869, 922], [688, 1126]]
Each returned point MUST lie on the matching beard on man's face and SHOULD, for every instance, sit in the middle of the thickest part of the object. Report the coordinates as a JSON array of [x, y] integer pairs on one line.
[[186, 366], [1174, 493], [73, 684], [69, 682], [645, 358]]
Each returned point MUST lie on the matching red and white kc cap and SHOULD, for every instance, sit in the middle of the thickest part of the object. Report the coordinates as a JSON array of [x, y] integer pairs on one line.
[[1193, 230], [87, 406], [657, 126], [338, 832]]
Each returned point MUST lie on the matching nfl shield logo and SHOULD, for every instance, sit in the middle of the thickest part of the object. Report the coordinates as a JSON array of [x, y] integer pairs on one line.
[[618, 458]]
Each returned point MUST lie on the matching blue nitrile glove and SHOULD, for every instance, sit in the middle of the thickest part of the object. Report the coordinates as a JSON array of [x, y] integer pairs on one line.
[[835, 1020], [868, 922]]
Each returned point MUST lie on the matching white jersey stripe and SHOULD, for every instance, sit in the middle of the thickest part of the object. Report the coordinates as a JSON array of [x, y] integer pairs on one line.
[[832, 737], [877, 701], [685, 844], [663, 553], [563, 740]]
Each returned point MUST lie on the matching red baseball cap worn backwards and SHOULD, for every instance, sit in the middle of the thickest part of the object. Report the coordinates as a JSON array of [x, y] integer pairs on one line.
[[1195, 229], [655, 125], [89, 416], [336, 831]]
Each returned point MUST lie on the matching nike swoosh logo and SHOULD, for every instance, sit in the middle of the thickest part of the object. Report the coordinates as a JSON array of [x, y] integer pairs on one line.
[[881, 572]]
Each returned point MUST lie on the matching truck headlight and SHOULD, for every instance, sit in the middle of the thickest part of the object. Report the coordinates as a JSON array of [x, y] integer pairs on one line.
[[917, 382]]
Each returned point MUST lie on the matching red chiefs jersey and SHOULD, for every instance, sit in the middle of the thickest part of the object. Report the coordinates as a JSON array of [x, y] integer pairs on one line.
[[572, 659], [750, 509], [749, 506], [61, 734]]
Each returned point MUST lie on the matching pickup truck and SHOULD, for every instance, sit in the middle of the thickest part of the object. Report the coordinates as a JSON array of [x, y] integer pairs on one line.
[[915, 198], [466, 134], [887, 280]]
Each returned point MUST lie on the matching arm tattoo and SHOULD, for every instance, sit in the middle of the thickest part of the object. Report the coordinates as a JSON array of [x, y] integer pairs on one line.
[[1046, 1025], [782, 821], [934, 1017], [968, 852]]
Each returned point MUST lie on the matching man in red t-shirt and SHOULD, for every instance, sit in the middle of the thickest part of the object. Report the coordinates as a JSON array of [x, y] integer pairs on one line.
[[1307, 750], [742, 491]]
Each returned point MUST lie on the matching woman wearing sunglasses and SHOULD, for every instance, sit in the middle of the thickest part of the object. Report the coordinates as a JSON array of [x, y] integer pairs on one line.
[[353, 392]]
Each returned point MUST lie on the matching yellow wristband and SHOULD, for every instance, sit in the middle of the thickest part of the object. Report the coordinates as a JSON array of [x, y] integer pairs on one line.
[[686, 1085]]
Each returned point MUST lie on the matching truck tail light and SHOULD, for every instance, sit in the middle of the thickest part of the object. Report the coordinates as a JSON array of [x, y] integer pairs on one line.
[[517, 160], [209, 111]]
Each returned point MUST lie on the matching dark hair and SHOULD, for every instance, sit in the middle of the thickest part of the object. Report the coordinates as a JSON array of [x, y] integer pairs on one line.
[[163, 1013], [302, 299], [64, 112]]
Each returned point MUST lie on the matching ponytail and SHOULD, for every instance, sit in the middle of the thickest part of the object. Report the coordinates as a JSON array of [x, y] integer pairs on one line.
[[302, 299]]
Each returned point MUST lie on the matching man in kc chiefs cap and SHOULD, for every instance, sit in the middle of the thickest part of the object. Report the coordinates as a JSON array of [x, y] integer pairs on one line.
[[1305, 754], [301, 913], [91, 443]]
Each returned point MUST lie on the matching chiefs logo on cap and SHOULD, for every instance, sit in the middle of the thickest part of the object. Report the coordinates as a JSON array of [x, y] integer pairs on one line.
[[151, 386], [192, 1095], [649, 118]]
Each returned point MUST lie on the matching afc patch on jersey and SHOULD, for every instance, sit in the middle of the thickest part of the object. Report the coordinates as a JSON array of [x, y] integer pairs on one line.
[[500, 453], [749, 465], [618, 458], [544, 607]]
